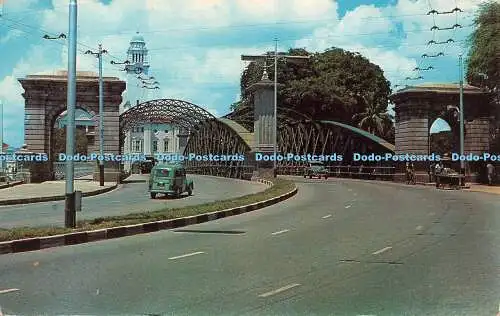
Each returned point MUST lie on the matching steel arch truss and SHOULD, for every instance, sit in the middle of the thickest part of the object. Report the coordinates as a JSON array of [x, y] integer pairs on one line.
[[214, 137], [326, 138], [163, 111], [245, 116]]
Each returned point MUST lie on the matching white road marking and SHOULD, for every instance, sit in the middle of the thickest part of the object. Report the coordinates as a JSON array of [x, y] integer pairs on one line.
[[8, 291], [281, 289], [186, 255], [382, 250], [327, 216], [280, 232], [419, 228]]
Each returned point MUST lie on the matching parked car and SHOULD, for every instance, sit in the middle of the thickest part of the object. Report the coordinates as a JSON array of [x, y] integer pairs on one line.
[[316, 169], [147, 165], [169, 179]]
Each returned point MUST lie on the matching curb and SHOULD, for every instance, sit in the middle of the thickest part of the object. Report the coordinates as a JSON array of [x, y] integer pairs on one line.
[[54, 198], [38, 243], [9, 185]]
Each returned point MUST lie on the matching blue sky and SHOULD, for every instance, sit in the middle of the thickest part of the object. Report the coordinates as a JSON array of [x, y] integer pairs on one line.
[[195, 45]]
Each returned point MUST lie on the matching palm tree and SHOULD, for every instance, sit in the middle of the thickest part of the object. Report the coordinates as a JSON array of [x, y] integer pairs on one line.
[[374, 119]]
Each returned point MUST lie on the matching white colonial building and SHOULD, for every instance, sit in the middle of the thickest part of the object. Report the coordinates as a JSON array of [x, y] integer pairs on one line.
[[149, 138]]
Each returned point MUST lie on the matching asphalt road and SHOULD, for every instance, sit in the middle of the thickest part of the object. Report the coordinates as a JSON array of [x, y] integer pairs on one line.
[[339, 247], [129, 198]]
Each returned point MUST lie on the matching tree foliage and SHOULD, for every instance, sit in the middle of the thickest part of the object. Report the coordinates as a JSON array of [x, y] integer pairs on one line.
[[333, 85], [484, 55]]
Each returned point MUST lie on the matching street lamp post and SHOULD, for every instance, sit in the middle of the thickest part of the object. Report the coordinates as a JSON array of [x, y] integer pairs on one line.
[[101, 114], [1, 136], [461, 113], [70, 212], [275, 64], [275, 136]]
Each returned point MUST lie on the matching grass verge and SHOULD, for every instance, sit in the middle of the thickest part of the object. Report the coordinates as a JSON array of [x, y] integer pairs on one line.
[[280, 187]]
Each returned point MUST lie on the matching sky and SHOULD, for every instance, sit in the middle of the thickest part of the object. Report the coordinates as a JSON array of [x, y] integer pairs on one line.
[[195, 46]]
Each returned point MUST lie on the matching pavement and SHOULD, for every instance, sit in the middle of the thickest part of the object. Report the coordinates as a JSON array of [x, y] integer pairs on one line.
[[130, 197], [484, 188], [49, 190], [338, 247]]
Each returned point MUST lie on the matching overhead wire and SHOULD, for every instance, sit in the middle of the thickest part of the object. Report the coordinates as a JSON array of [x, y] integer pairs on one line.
[[109, 56]]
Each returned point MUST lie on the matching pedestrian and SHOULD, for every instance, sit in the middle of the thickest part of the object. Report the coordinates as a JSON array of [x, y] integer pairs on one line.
[[407, 173], [437, 171], [431, 172], [491, 172]]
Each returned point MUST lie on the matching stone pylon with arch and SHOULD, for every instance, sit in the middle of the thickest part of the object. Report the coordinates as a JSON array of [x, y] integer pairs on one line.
[[45, 99], [417, 107]]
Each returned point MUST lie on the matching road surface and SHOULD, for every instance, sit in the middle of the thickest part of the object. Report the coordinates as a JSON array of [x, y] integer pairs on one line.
[[130, 198], [338, 247]]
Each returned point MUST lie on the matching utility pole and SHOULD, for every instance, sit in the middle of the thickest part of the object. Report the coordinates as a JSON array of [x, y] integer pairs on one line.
[[101, 114], [291, 58], [461, 113], [275, 136], [1, 136], [70, 211]]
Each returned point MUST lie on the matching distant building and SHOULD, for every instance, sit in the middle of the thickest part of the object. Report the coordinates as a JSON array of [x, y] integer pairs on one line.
[[149, 138]]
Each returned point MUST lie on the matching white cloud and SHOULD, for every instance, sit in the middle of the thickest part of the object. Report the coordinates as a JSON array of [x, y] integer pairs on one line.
[[182, 25]]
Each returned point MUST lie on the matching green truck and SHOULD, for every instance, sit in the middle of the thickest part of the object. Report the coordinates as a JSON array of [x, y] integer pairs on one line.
[[169, 179]]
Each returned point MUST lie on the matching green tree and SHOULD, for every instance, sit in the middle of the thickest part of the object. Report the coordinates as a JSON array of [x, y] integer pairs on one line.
[[484, 55], [332, 85], [374, 117], [59, 141]]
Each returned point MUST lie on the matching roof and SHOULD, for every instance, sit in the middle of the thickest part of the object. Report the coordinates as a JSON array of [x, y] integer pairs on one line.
[[446, 88], [62, 75], [161, 165], [363, 133], [137, 38]]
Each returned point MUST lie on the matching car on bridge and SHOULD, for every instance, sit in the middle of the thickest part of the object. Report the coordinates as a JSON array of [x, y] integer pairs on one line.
[[147, 165], [316, 169], [169, 179]]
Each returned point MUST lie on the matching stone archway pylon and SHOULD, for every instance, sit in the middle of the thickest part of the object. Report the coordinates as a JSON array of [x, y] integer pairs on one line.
[[417, 107], [45, 96]]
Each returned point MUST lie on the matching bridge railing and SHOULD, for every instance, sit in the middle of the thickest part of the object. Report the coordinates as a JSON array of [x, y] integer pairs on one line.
[[240, 172], [354, 172], [82, 169]]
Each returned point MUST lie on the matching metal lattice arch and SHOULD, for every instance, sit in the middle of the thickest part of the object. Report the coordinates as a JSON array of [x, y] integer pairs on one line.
[[164, 111], [176, 112], [327, 138], [220, 136]]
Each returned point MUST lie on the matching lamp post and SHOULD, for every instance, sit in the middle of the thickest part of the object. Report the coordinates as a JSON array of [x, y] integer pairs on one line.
[[70, 213], [101, 114], [1, 136], [275, 64], [461, 113]]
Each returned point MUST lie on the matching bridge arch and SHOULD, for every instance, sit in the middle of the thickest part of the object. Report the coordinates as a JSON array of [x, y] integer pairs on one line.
[[220, 136], [183, 114]]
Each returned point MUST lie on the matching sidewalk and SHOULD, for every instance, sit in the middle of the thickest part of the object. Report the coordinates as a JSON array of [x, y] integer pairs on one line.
[[484, 188], [49, 191]]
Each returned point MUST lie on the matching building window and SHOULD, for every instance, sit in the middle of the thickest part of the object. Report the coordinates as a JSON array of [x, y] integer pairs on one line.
[[155, 146], [137, 146], [165, 144]]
